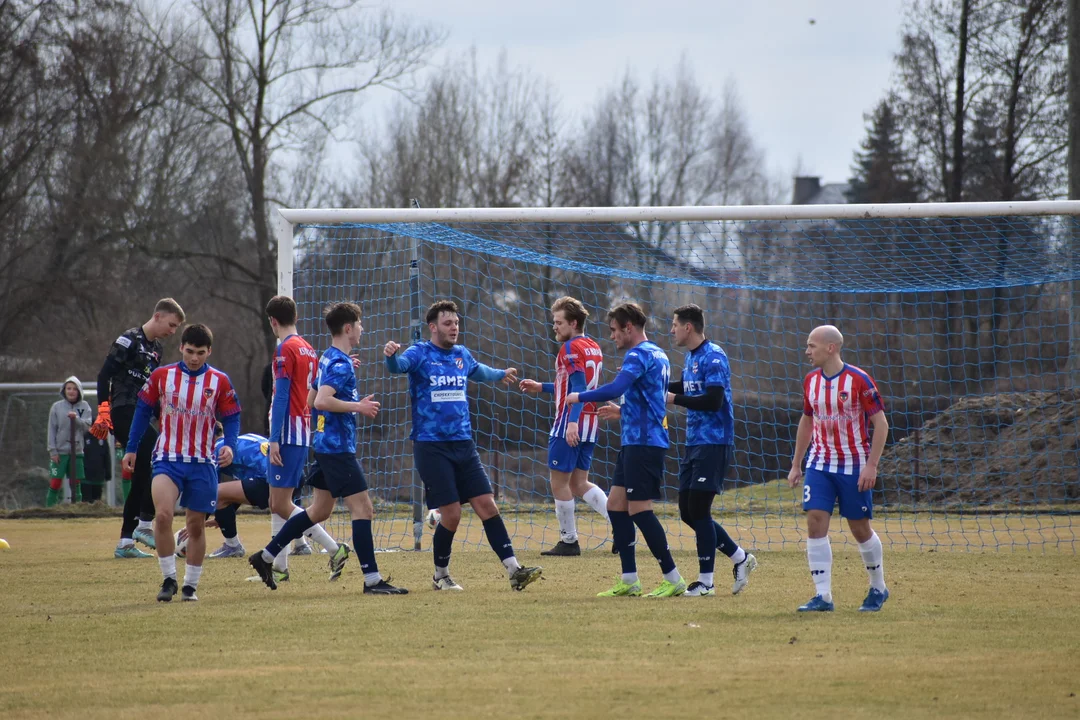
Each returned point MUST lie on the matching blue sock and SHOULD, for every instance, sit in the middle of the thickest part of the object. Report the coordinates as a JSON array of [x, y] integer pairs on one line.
[[498, 538], [705, 529], [364, 544], [624, 535], [655, 538], [441, 546], [226, 520], [294, 527], [724, 543]]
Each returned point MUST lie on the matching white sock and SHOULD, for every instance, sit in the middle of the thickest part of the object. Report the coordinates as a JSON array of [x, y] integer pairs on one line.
[[511, 564], [267, 556], [126, 542], [233, 541], [629, 578], [705, 579], [597, 500], [819, 554], [319, 535], [372, 579], [192, 573], [738, 556], [281, 562], [146, 525], [673, 576], [564, 511], [871, 555], [441, 572], [168, 566]]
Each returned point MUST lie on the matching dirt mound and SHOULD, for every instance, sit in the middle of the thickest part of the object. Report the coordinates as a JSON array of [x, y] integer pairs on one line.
[[1009, 449]]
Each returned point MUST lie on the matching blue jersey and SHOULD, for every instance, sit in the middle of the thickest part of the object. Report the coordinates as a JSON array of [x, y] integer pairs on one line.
[[250, 458], [707, 366], [644, 408], [335, 433], [438, 380]]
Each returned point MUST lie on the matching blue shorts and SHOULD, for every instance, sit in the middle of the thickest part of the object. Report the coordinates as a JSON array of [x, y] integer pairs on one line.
[[822, 489], [567, 459], [703, 467], [291, 473], [451, 471], [197, 483], [339, 474], [640, 469]]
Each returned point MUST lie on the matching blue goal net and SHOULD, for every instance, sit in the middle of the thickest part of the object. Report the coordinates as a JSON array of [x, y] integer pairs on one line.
[[964, 323]]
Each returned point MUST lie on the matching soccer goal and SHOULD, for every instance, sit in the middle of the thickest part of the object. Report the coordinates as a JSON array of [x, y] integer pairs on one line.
[[966, 314]]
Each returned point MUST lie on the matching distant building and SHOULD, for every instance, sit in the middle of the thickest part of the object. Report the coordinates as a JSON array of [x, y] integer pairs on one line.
[[810, 191]]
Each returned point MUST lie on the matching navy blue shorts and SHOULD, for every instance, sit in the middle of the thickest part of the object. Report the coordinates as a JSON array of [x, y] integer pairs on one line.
[[257, 492], [451, 471], [703, 467], [337, 473], [291, 473], [822, 489], [640, 469], [197, 483], [567, 459]]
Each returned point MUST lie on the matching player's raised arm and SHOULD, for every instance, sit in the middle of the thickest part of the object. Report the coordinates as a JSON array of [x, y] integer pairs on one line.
[[630, 372], [534, 387], [401, 364], [484, 373]]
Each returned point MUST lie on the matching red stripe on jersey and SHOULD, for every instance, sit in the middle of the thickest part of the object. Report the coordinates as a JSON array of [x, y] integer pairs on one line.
[[841, 407], [584, 356], [189, 405], [298, 362]]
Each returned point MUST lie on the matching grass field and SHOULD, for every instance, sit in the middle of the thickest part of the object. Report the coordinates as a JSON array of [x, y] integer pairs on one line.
[[964, 635]]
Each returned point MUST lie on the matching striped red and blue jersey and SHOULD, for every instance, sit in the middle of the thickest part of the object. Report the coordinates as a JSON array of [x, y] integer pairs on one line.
[[578, 354], [296, 361], [190, 404], [841, 406]]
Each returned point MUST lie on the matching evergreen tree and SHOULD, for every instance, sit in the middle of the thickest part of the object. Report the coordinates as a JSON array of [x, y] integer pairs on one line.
[[882, 171], [983, 181]]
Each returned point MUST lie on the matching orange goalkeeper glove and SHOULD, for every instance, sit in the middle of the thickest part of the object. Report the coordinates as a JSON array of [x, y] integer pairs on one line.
[[103, 425]]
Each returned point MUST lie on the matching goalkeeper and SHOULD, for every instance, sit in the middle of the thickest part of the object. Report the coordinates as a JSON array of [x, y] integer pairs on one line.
[[132, 357]]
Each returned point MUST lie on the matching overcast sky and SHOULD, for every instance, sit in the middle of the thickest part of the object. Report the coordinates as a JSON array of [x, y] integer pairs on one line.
[[804, 87]]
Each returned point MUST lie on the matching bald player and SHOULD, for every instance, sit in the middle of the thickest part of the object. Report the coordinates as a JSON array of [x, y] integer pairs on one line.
[[841, 405]]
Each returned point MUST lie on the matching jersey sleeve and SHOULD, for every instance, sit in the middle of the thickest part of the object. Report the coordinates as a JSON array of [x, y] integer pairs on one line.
[[336, 375], [807, 408], [717, 371], [634, 364], [575, 356], [869, 397], [227, 401], [121, 348], [412, 359], [284, 362], [151, 390]]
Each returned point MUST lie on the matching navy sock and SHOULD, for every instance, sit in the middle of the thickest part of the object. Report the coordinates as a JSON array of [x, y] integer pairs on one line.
[[724, 543], [364, 544], [441, 545], [226, 520], [294, 527], [624, 535], [655, 538], [498, 538], [705, 530]]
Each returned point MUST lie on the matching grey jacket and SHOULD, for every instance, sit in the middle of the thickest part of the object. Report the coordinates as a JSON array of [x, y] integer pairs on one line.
[[60, 423]]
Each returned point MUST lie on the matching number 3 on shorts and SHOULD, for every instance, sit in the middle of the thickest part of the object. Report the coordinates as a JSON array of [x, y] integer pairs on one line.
[[806, 493]]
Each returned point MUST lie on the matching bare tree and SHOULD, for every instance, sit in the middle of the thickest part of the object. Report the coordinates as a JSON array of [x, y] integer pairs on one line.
[[274, 75]]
